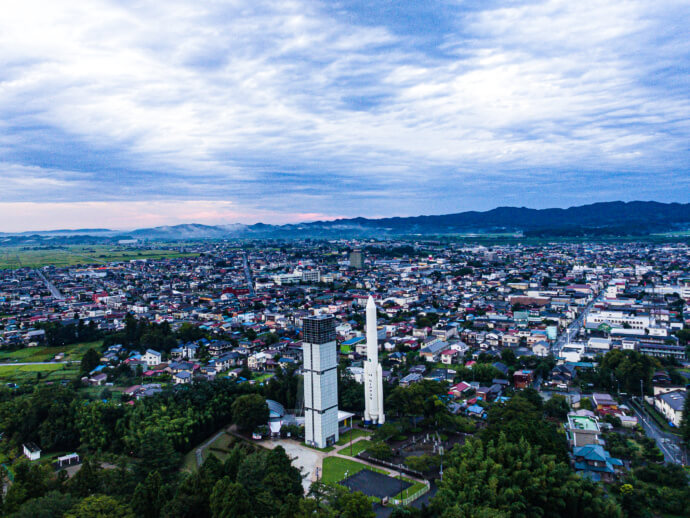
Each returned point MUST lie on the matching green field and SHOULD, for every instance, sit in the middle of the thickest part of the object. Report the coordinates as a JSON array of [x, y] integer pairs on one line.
[[353, 434], [72, 352], [357, 447], [334, 469], [29, 373], [35, 257]]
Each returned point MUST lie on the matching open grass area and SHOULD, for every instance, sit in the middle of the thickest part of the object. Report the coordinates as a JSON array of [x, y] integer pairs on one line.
[[352, 434], [334, 469], [29, 373], [72, 352], [357, 447], [35, 257]]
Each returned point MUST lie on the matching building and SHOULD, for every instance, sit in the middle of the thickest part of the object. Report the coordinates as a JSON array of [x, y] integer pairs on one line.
[[523, 379], [320, 381], [31, 451], [662, 350], [594, 462], [582, 428], [670, 404], [356, 260], [152, 357]]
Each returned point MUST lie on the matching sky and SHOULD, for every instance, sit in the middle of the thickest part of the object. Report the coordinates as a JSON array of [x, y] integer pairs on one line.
[[136, 113]]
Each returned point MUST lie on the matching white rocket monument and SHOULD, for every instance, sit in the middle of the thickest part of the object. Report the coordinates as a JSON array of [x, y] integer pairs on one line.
[[373, 378]]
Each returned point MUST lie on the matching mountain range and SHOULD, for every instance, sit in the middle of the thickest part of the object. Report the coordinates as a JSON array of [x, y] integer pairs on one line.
[[618, 218]]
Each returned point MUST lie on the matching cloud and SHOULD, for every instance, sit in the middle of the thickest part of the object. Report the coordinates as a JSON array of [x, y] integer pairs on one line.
[[297, 106]]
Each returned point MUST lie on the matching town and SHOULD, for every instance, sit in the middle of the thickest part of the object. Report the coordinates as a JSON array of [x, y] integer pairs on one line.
[[185, 365]]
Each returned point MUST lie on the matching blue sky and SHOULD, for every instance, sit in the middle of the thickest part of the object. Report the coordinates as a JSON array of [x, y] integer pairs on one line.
[[134, 113]]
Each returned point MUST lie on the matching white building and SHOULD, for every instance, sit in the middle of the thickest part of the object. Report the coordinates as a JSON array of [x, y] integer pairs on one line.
[[373, 376], [31, 451], [152, 357], [320, 381]]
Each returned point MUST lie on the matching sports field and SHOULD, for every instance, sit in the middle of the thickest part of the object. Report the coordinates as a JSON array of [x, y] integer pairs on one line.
[[60, 256]]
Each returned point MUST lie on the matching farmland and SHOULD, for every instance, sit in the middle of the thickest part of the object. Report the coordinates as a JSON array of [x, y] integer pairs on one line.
[[72, 352], [60, 256]]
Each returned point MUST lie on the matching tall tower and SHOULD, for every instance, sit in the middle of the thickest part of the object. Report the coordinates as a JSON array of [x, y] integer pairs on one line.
[[373, 376], [320, 381]]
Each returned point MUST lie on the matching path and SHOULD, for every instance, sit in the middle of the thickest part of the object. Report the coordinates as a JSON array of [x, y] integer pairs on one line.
[[200, 450], [667, 442], [51, 287]]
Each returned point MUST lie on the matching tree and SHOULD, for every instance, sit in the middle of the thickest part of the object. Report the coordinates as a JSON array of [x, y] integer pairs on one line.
[[90, 361], [249, 412], [380, 450], [52, 505], [503, 478], [100, 506], [230, 500], [557, 407], [147, 499]]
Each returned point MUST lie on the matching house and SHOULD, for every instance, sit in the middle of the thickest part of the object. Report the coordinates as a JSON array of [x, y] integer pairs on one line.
[[501, 367], [541, 348], [98, 380], [593, 461], [152, 358], [459, 389], [432, 352], [476, 411], [605, 403], [523, 378], [31, 451], [670, 404], [449, 355], [182, 378], [412, 377], [582, 428]]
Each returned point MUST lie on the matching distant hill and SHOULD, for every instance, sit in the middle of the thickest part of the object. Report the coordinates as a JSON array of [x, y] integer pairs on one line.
[[618, 218]]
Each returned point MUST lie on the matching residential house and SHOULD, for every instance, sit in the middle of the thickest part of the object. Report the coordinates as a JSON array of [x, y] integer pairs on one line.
[[152, 358]]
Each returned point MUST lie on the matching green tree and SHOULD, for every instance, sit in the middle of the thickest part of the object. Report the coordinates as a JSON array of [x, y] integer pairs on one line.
[[380, 450], [147, 498], [230, 500], [90, 360], [249, 412], [502, 478], [557, 407], [52, 505], [100, 506], [685, 423]]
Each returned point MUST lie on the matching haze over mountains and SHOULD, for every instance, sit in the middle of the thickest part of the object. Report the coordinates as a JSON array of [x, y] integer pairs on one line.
[[598, 219]]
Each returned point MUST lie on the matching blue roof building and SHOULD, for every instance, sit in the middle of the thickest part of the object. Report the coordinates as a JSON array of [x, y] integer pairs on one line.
[[593, 461]]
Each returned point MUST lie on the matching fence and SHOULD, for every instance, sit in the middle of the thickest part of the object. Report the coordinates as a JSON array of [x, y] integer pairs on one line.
[[411, 498], [390, 465]]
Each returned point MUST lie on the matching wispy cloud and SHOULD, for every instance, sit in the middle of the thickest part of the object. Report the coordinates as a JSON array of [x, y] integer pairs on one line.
[[296, 106]]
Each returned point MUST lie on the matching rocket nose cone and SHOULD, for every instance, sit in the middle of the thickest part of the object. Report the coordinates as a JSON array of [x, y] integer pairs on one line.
[[370, 302]]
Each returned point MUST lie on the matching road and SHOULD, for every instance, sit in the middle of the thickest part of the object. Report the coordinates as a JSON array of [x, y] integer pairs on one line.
[[51, 287], [574, 328], [248, 274], [668, 443]]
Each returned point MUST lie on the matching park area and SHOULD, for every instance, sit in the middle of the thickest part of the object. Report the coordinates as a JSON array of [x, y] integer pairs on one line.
[[61, 256]]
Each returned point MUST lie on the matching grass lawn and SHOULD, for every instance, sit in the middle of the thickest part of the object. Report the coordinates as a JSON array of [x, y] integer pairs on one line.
[[264, 377], [416, 486], [73, 352], [357, 447], [334, 469], [354, 434]]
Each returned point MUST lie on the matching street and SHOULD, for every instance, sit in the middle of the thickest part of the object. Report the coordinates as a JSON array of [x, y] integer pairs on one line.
[[668, 443]]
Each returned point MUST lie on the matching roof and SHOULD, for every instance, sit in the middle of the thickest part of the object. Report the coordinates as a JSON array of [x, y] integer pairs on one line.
[[275, 409], [675, 399]]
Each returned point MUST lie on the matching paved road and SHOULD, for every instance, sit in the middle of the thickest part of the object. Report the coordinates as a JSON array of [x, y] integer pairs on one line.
[[51, 287], [668, 443], [248, 274], [574, 328]]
